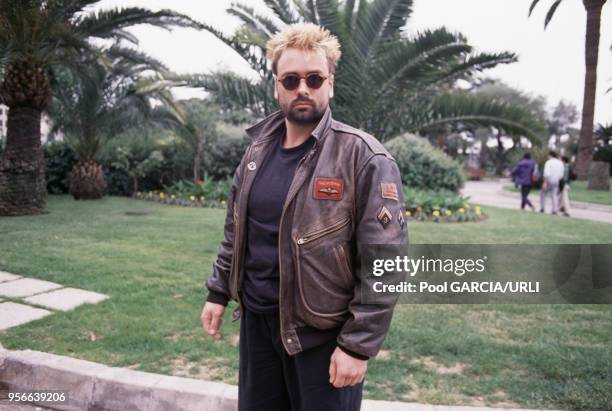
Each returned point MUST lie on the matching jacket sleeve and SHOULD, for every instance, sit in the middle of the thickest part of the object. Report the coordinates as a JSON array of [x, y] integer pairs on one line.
[[218, 281], [379, 220]]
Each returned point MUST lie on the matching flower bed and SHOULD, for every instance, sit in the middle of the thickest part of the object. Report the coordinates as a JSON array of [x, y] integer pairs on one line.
[[440, 206], [421, 205]]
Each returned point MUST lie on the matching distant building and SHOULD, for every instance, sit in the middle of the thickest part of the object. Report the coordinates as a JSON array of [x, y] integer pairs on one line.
[[45, 126]]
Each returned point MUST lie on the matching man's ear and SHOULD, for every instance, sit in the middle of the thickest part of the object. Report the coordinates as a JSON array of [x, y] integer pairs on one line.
[[275, 89], [331, 84]]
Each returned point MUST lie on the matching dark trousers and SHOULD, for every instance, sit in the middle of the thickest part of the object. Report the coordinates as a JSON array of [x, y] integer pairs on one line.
[[525, 189], [271, 380]]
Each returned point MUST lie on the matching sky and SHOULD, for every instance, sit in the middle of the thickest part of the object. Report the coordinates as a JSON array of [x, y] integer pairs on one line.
[[551, 62]]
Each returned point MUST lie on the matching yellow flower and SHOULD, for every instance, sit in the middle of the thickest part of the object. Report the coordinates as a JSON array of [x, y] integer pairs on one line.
[[162, 195], [192, 198], [436, 213], [408, 213], [202, 198], [462, 210], [449, 212], [223, 202]]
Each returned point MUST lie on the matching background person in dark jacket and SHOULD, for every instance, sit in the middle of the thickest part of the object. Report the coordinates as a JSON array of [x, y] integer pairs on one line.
[[522, 173], [564, 186]]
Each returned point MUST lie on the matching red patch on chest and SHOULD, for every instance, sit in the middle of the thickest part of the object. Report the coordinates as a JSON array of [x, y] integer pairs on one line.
[[328, 189]]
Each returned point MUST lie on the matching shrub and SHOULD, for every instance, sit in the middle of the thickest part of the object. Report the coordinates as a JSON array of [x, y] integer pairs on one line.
[[604, 154], [222, 157], [59, 161], [424, 167]]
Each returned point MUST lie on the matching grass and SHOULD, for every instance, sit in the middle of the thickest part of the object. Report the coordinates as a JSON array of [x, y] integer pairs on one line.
[[578, 192], [154, 267]]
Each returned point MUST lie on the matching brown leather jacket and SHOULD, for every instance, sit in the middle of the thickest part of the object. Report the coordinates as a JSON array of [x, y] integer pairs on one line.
[[346, 192]]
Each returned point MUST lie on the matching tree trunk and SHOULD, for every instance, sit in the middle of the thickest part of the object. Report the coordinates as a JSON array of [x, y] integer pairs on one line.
[[196, 167], [585, 144], [499, 161], [23, 187], [87, 180]]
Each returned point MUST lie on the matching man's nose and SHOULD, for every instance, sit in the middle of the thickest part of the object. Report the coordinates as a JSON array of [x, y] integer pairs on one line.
[[303, 88]]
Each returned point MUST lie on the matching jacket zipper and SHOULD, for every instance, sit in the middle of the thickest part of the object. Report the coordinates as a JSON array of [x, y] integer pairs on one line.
[[304, 240], [280, 259], [237, 239], [318, 234]]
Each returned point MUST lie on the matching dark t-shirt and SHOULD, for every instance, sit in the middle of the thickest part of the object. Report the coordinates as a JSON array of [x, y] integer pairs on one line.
[[265, 206]]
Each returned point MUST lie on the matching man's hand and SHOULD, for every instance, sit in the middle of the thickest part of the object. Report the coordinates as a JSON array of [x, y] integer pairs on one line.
[[345, 370], [212, 318]]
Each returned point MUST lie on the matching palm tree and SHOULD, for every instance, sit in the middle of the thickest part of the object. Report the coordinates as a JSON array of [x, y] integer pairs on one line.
[[36, 38], [198, 130], [103, 101], [591, 51], [387, 83]]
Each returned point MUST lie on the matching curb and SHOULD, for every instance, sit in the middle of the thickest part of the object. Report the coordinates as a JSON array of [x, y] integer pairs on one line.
[[95, 386], [574, 204]]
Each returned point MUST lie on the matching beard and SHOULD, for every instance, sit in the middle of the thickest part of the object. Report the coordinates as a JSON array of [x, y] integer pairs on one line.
[[304, 115]]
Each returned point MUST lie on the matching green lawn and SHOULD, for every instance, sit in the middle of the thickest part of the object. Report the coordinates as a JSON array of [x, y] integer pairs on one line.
[[154, 268], [578, 192]]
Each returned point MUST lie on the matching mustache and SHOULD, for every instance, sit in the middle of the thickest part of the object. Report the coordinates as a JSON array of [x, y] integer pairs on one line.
[[302, 100]]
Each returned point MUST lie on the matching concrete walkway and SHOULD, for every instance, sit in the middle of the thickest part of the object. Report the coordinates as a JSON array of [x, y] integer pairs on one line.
[[491, 193], [31, 295]]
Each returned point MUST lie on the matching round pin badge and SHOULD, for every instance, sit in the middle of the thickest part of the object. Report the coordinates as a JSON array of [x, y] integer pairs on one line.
[[252, 166]]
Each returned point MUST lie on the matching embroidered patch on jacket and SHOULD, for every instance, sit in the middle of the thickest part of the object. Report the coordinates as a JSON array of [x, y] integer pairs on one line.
[[328, 188], [384, 216], [389, 190]]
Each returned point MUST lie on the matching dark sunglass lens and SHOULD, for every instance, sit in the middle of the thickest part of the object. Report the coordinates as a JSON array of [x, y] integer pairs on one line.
[[314, 81], [291, 82]]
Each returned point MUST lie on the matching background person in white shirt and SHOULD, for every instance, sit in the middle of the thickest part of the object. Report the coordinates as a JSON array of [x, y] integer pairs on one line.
[[553, 173]]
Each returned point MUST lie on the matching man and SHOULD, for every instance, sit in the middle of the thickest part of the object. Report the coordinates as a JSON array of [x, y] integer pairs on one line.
[[309, 194], [564, 186], [553, 173], [522, 174]]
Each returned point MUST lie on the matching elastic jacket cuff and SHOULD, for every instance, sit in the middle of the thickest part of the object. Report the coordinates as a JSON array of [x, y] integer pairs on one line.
[[217, 298], [354, 354]]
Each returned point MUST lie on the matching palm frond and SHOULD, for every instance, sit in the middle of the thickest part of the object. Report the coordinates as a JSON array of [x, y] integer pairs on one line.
[[533, 5], [551, 12], [105, 23], [462, 107]]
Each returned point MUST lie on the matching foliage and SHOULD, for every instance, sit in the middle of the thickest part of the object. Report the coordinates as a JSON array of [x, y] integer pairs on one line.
[[57, 34], [439, 205], [186, 193], [60, 158], [222, 157], [424, 167], [110, 100], [408, 77]]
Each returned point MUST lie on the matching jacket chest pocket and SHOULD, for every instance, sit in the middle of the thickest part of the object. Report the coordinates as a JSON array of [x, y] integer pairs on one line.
[[324, 273]]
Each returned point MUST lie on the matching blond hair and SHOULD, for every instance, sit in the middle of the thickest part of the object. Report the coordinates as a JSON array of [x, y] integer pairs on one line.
[[304, 36]]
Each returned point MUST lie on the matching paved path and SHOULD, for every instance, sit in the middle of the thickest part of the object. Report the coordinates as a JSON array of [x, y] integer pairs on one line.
[[33, 299], [489, 192]]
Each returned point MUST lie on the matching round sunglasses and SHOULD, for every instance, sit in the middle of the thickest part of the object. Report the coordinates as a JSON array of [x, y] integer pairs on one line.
[[292, 81]]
